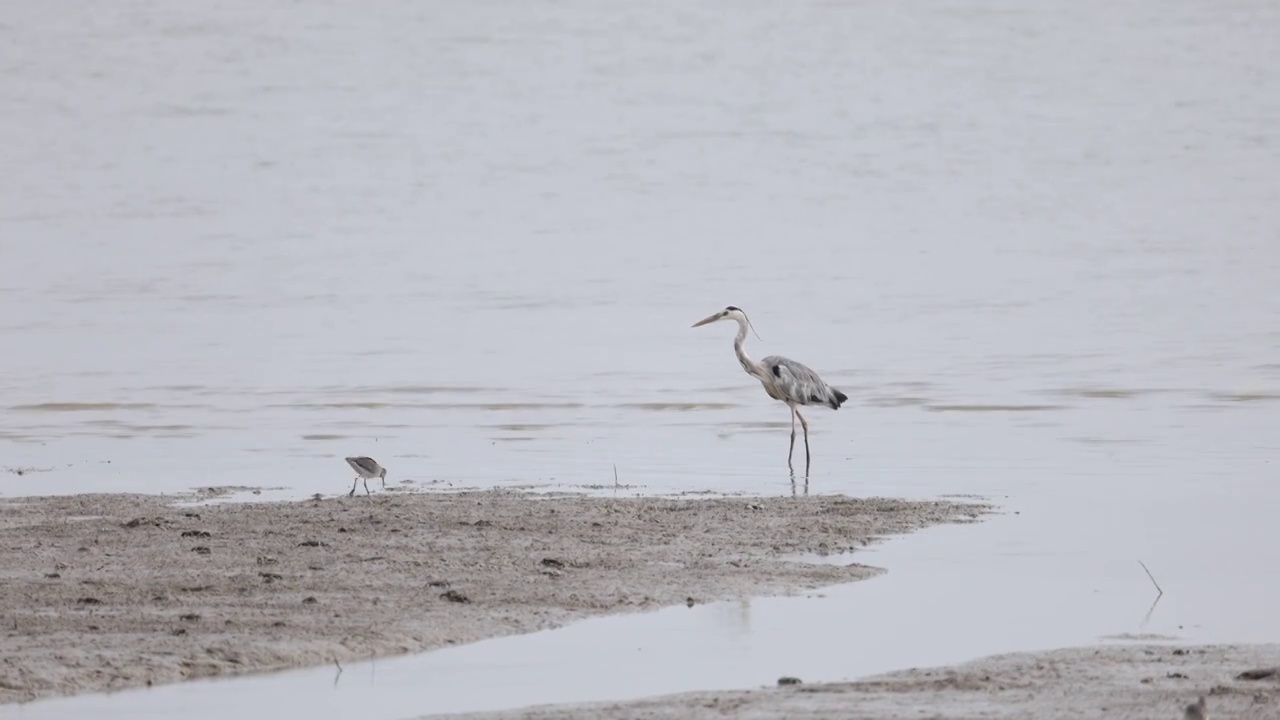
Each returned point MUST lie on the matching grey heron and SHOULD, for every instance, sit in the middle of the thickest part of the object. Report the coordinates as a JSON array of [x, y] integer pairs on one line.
[[366, 467], [784, 379]]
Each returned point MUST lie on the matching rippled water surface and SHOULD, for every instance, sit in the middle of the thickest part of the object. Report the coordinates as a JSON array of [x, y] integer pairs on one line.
[[1038, 247]]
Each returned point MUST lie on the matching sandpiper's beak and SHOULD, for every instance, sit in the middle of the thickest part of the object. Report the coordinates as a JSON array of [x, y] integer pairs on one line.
[[706, 320]]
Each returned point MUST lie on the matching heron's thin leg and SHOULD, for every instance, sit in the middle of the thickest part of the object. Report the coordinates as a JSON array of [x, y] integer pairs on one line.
[[805, 425], [793, 436], [353, 487], [366, 486]]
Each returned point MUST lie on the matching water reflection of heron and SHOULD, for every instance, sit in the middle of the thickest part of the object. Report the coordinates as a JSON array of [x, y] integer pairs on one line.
[[793, 484], [732, 618], [784, 379]]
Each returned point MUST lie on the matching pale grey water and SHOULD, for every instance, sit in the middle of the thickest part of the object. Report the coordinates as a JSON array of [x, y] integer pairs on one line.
[[1038, 245]]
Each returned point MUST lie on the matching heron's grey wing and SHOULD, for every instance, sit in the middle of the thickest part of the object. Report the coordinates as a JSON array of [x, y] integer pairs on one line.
[[797, 381]]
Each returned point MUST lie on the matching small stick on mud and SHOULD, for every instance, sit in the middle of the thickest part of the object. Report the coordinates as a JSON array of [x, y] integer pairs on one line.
[[615, 476], [1153, 579]]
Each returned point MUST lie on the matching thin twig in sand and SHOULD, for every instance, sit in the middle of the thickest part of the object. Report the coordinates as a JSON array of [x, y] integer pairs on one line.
[[1147, 618], [1153, 579], [615, 476]]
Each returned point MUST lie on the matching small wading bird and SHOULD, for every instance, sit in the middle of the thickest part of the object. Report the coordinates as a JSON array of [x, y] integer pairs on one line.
[[366, 468], [784, 379]]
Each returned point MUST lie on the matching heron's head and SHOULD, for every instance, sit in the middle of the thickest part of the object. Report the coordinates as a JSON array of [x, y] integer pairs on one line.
[[729, 313]]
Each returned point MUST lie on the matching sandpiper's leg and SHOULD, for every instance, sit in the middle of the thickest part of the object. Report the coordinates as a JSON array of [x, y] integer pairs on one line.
[[805, 425], [792, 449], [366, 486], [353, 487]]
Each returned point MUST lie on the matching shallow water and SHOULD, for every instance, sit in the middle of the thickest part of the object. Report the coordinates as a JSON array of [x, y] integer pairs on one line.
[[1036, 246]]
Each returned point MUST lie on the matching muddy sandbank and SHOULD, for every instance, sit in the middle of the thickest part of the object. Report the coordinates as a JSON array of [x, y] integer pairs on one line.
[[104, 592], [1125, 682]]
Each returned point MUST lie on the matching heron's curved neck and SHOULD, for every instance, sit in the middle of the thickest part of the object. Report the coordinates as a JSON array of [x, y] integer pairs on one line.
[[751, 366]]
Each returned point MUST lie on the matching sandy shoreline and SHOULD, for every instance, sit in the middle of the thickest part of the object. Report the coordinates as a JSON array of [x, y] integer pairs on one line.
[[1122, 682], [104, 592]]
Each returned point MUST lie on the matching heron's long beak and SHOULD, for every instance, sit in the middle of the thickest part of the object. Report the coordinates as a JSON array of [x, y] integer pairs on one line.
[[706, 320]]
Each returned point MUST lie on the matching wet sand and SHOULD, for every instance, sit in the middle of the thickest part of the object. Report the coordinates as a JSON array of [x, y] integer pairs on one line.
[[104, 592], [1133, 682]]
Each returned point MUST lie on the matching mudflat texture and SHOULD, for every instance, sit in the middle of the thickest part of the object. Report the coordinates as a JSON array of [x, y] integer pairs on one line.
[[1241, 682], [110, 591]]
